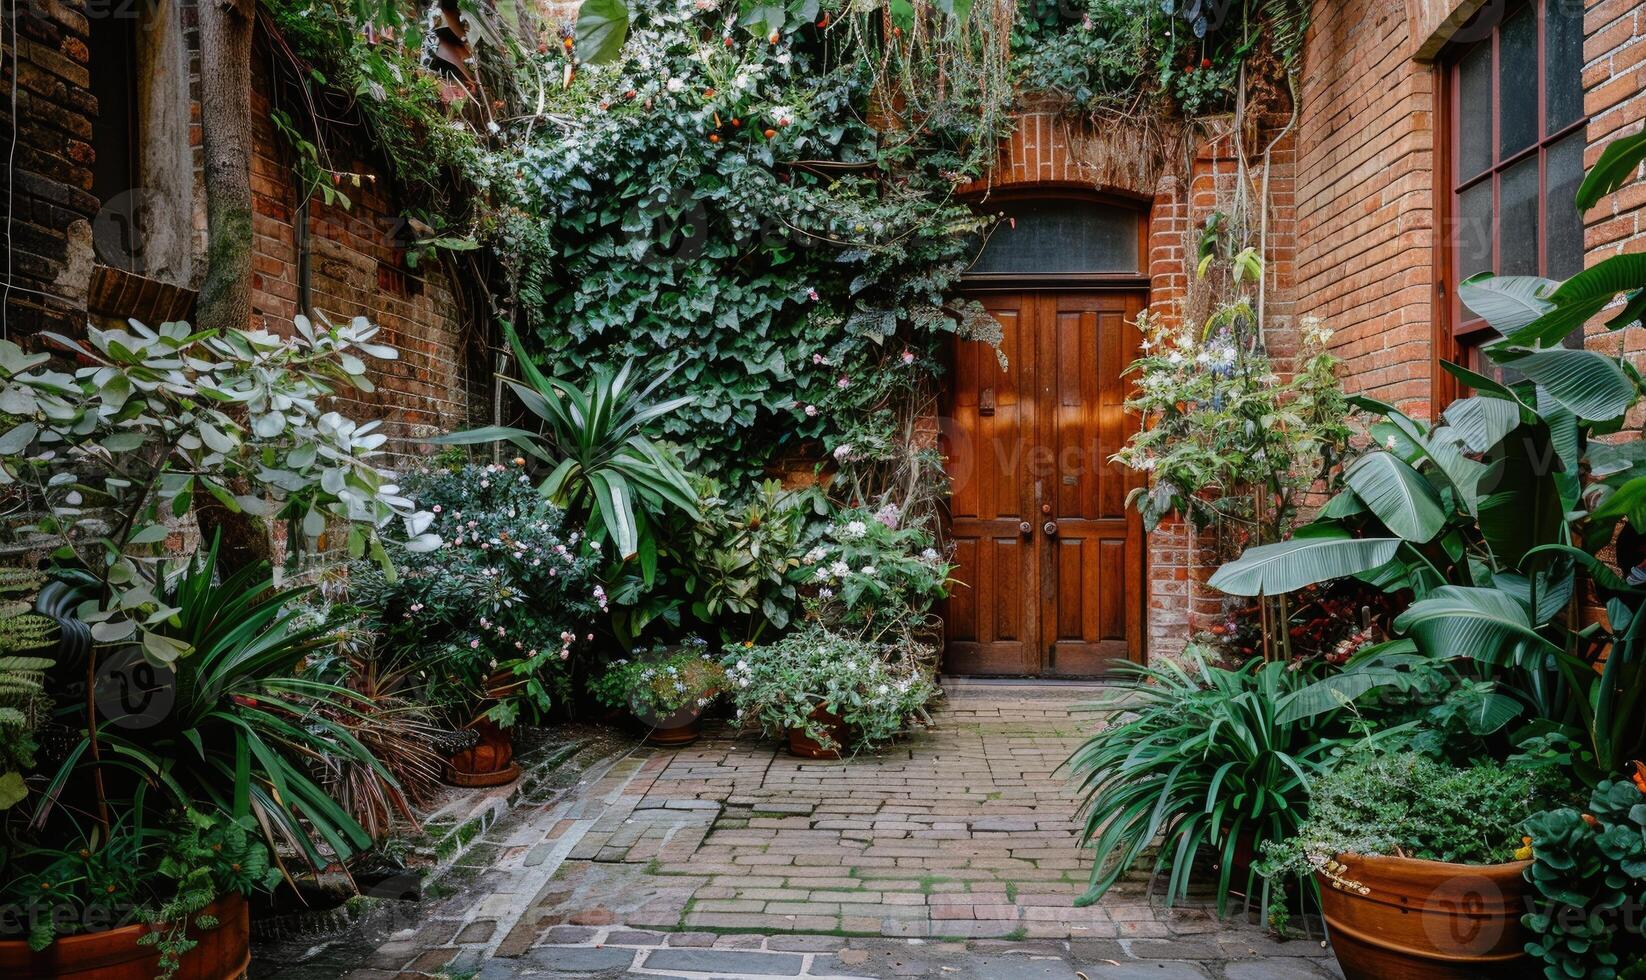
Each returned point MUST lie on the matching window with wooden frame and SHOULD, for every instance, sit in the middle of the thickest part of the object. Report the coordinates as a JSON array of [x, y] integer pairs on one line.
[[1513, 158]]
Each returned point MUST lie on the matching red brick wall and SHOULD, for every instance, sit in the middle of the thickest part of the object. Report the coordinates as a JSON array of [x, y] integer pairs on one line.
[[1365, 197], [358, 268], [1614, 82], [47, 205]]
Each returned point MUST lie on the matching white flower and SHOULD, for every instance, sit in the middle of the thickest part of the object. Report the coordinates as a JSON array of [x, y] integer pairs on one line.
[[870, 571], [854, 529], [815, 555], [840, 569], [676, 84]]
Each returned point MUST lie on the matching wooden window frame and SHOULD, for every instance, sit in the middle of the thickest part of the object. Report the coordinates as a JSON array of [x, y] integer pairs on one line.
[[986, 282], [1455, 335]]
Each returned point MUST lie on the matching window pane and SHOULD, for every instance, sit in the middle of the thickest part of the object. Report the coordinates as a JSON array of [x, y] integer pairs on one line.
[[1563, 64], [1474, 232], [1517, 236], [1474, 115], [1564, 251], [1051, 237], [1517, 83]]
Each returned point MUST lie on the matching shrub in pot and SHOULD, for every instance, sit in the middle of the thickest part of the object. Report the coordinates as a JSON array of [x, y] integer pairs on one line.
[[1419, 863], [177, 713], [484, 627], [825, 692], [665, 688]]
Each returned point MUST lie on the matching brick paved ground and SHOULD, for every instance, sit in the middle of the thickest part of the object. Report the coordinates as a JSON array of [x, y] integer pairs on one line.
[[952, 853]]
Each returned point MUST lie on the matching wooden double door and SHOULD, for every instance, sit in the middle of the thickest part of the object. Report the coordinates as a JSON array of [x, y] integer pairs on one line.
[[1051, 567]]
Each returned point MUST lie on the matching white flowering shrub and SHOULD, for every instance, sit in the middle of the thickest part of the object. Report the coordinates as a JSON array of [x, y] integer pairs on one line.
[[875, 689], [491, 619], [1221, 431], [873, 574], [661, 681], [152, 419]]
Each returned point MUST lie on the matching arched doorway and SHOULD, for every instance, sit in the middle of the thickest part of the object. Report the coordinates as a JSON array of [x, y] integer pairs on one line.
[[1051, 560]]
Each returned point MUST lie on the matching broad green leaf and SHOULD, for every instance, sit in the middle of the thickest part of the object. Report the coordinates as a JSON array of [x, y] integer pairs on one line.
[[1589, 383], [1287, 566], [1508, 303], [1519, 499], [1481, 422], [1401, 498], [1472, 623], [1617, 166], [602, 27]]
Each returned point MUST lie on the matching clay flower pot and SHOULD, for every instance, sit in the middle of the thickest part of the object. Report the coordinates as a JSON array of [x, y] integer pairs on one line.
[[1392, 918], [681, 728], [802, 745], [490, 762], [223, 953]]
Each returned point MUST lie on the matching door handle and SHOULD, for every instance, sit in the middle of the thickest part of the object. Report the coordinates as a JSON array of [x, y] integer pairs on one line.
[[1050, 529], [1026, 529]]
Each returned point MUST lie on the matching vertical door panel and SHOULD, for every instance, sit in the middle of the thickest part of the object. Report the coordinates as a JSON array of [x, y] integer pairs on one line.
[[1093, 570], [991, 618]]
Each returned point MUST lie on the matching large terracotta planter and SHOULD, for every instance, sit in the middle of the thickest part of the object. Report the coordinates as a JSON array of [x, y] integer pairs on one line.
[[489, 763], [1392, 918], [800, 744], [681, 728], [223, 953]]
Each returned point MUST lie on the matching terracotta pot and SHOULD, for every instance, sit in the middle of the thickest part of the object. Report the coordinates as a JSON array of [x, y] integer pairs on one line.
[[1393, 918], [681, 728], [223, 953], [489, 763], [809, 748]]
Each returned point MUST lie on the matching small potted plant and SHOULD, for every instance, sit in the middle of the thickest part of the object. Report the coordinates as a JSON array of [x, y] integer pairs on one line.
[[1419, 864], [665, 688], [824, 692]]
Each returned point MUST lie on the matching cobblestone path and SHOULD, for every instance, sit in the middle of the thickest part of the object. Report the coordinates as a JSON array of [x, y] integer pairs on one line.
[[952, 853]]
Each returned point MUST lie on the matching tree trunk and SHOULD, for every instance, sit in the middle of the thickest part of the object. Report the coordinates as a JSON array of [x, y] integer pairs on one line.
[[225, 298]]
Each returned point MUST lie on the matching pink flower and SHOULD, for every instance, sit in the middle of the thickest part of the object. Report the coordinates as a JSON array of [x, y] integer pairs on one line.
[[908, 357], [474, 644], [811, 294], [844, 382], [811, 411], [437, 508], [817, 358]]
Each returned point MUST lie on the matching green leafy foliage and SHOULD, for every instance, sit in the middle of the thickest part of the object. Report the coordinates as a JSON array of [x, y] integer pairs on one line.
[[162, 417], [1127, 55], [1588, 878], [1385, 803], [1200, 760], [661, 681], [874, 574], [606, 467], [723, 201], [876, 690], [510, 593], [1222, 436], [25, 638]]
